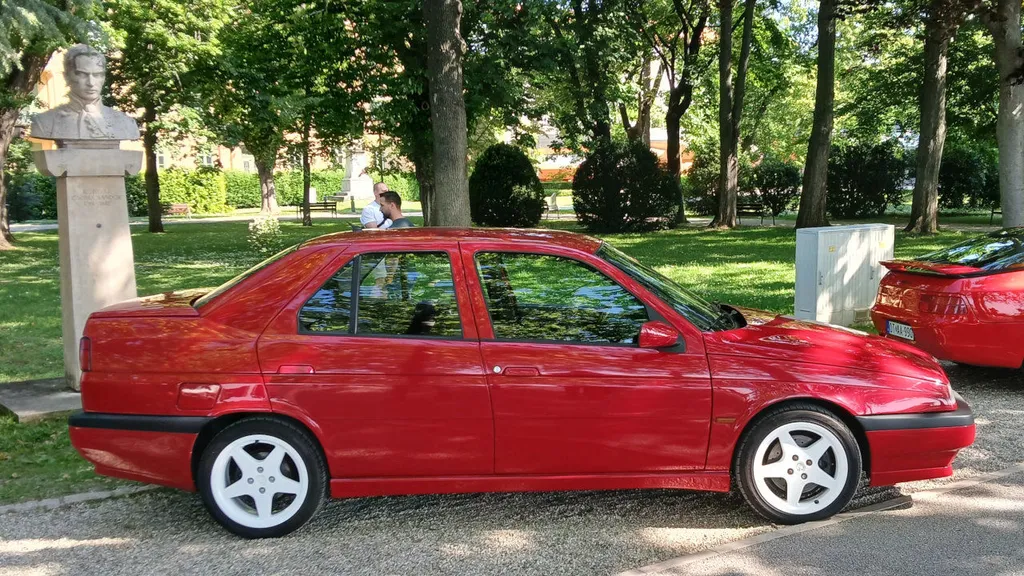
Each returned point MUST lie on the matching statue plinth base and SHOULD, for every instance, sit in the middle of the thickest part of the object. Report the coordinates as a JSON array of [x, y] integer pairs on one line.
[[97, 264], [357, 184]]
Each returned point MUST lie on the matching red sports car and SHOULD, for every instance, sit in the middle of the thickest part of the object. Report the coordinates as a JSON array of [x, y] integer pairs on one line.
[[964, 303], [442, 361]]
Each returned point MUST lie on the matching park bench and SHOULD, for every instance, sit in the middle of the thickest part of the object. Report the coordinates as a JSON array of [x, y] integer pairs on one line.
[[751, 208], [995, 210], [327, 206], [177, 210]]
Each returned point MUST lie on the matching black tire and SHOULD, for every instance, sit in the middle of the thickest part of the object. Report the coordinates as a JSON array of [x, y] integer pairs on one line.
[[743, 467], [315, 470]]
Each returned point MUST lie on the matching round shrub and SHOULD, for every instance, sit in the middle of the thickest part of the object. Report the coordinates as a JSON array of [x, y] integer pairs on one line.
[[620, 187], [265, 234], [701, 181], [968, 177], [775, 183], [504, 189], [864, 179], [242, 189]]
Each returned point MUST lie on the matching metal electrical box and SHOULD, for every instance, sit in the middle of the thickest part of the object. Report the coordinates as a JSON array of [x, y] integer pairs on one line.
[[838, 271]]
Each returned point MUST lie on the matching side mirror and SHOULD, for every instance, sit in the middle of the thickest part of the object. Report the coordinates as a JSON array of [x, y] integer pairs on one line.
[[657, 334]]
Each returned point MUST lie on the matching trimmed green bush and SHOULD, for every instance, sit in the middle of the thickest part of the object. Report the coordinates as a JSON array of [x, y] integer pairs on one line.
[[865, 179], [203, 189], [969, 177], [405, 185], [289, 184], [504, 189], [774, 182], [135, 191], [326, 182], [242, 189], [620, 187]]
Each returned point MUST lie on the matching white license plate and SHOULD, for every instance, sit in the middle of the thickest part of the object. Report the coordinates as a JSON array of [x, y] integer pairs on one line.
[[899, 330]]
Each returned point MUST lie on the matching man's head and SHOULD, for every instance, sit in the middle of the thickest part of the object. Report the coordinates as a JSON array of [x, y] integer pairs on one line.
[[378, 189], [85, 72], [391, 205]]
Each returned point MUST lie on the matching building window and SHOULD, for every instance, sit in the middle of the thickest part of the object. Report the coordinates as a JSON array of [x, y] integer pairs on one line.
[[207, 159], [246, 166], [161, 160]]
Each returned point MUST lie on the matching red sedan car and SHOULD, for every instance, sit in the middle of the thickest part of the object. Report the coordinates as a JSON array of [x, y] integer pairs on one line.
[[964, 303], [442, 361]]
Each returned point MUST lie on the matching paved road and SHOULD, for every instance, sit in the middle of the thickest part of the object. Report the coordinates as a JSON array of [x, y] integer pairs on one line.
[[974, 531], [287, 214], [169, 532]]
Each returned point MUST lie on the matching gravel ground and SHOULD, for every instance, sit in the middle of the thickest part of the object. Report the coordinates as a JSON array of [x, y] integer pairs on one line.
[[562, 533]]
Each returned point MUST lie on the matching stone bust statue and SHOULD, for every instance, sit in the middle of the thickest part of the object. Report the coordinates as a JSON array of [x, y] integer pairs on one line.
[[85, 117]]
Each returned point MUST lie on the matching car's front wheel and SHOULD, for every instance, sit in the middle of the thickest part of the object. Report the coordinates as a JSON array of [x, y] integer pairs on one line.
[[798, 464], [262, 477]]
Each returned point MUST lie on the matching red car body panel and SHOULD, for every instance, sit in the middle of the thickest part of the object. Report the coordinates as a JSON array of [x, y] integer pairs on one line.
[[412, 415], [989, 332]]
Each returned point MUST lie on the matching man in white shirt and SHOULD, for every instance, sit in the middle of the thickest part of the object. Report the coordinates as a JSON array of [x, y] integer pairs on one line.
[[372, 217]]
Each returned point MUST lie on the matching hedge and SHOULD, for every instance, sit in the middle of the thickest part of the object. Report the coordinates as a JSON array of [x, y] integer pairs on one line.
[[243, 189], [203, 189], [33, 196]]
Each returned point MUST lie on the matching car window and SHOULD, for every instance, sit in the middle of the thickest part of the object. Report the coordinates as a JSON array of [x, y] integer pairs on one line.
[[1000, 250], [549, 298], [209, 297], [399, 294]]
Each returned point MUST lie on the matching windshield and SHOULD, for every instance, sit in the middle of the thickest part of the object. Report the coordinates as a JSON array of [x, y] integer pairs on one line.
[[204, 300], [1001, 250], [698, 311]]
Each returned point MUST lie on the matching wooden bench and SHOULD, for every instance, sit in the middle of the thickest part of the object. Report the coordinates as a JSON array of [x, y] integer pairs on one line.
[[749, 208], [177, 210], [327, 206], [995, 210]]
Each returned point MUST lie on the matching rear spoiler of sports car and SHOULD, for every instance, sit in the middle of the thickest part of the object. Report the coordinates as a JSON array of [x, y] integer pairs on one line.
[[933, 269]]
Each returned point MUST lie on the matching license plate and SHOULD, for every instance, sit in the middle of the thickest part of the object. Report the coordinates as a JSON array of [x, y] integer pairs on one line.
[[899, 330]]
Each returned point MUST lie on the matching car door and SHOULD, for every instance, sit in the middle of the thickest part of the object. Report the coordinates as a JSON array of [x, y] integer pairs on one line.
[[571, 390], [380, 352]]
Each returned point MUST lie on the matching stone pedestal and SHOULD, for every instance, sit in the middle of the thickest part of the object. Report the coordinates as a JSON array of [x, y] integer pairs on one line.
[[97, 265], [357, 183]]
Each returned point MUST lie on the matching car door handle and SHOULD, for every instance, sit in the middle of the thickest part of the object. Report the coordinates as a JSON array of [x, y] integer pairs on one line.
[[521, 371], [296, 369]]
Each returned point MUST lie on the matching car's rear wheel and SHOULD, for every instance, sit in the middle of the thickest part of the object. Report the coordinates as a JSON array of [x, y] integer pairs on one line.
[[262, 477], [798, 464]]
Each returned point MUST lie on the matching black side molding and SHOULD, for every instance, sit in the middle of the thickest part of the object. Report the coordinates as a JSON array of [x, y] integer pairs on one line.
[[962, 416], [138, 422]]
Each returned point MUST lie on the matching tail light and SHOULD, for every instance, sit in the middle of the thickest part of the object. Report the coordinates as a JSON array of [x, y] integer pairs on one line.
[[942, 304], [85, 354]]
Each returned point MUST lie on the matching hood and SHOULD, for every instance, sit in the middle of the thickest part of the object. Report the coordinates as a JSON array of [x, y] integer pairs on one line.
[[171, 304], [775, 337]]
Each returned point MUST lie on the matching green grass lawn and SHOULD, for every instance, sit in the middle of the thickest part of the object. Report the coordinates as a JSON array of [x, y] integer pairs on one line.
[[748, 266]]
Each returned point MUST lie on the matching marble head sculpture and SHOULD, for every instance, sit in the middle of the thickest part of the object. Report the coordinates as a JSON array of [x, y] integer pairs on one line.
[[84, 117]]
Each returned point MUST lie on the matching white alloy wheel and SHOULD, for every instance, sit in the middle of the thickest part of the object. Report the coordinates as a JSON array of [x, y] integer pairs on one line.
[[800, 468], [259, 481]]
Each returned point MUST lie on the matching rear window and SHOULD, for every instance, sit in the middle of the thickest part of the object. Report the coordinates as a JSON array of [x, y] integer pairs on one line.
[[1002, 250], [204, 300]]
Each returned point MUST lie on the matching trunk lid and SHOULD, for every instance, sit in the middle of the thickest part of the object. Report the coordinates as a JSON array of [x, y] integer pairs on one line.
[[169, 304]]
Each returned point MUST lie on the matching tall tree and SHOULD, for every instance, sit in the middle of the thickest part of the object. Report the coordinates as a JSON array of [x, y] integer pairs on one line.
[[813, 194], [942, 19], [245, 102], [675, 32], [32, 31], [1003, 19], [160, 46], [445, 52], [731, 109], [646, 91]]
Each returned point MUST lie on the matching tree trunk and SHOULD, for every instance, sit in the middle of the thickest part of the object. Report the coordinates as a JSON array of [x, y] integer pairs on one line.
[[813, 193], [672, 118], [924, 212], [7, 119], [307, 215], [152, 177], [1005, 26], [730, 111], [449, 205], [268, 190]]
